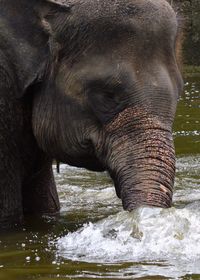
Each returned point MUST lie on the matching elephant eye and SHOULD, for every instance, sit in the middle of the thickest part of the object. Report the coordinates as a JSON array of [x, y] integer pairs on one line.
[[109, 94], [106, 101]]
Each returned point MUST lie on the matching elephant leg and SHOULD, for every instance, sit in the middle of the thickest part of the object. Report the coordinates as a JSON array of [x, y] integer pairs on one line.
[[39, 190], [11, 211]]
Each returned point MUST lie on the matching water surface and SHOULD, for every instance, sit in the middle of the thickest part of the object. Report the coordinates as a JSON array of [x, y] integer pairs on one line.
[[95, 239]]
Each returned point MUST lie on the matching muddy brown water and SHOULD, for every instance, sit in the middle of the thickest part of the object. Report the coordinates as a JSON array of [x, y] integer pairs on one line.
[[95, 239]]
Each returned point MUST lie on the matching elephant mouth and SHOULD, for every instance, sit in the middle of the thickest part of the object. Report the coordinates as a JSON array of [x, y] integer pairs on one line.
[[89, 162]]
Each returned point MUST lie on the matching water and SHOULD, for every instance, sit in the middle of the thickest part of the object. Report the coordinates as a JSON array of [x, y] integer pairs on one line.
[[95, 239]]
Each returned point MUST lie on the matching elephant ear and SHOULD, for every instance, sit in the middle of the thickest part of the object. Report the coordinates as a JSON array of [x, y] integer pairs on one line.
[[39, 55]]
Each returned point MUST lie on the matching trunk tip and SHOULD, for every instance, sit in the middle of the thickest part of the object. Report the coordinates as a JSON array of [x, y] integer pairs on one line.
[[161, 200]]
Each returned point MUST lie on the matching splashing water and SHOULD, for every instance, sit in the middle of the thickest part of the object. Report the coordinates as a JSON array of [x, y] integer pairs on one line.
[[147, 234]]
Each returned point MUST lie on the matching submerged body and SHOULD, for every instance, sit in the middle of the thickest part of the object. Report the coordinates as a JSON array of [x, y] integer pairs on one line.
[[93, 84]]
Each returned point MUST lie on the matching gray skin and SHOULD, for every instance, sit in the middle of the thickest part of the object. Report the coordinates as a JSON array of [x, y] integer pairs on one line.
[[90, 83]]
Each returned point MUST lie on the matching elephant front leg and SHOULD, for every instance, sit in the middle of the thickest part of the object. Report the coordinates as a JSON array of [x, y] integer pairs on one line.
[[39, 190], [11, 211]]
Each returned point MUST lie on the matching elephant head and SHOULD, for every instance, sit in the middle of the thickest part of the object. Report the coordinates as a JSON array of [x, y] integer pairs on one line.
[[110, 93]]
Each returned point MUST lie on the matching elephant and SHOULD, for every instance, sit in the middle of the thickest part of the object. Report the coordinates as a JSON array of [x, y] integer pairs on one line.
[[93, 84]]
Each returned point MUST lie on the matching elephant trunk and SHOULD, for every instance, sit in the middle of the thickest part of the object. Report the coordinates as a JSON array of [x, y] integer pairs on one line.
[[141, 159], [148, 175]]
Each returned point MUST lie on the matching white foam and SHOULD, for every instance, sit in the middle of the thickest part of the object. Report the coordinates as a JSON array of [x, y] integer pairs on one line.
[[148, 234]]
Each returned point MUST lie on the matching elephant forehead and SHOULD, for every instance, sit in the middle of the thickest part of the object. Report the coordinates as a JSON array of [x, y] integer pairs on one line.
[[141, 13]]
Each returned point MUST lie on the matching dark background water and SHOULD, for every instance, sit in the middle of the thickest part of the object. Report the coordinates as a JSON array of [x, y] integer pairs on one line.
[[188, 13], [187, 123]]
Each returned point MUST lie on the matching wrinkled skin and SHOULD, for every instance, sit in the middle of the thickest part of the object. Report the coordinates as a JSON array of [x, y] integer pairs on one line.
[[93, 84]]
